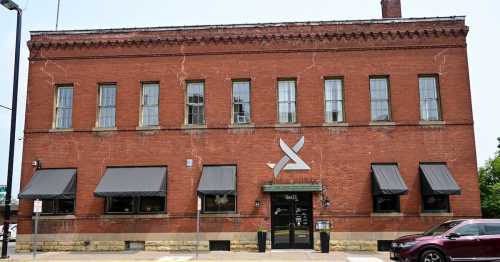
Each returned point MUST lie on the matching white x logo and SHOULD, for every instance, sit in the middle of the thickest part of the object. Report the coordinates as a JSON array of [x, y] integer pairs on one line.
[[290, 153]]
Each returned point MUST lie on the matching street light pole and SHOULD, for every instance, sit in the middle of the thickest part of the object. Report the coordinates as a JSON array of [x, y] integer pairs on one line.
[[9, 4]]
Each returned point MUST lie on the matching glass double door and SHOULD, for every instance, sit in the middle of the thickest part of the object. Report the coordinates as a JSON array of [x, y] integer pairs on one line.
[[291, 220]]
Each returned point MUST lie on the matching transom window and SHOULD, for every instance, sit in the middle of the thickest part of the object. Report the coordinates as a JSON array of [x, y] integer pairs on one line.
[[107, 106], [132, 205], [334, 101], [379, 95], [64, 107], [286, 101], [241, 102], [149, 104], [58, 206], [195, 104], [429, 99]]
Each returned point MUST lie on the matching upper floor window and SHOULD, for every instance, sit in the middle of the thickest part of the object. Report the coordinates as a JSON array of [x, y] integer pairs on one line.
[[195, 103], [241, 102], [149, 104], [334, 106], [379, 95], [286, 101], [429, 98], [64, 107], [107, 106]]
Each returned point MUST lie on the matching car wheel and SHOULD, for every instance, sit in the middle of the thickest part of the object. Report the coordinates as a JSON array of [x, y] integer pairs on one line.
[[431, 255]]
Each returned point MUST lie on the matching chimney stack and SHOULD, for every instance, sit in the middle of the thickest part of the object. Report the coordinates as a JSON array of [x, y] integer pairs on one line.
[[391, 8]]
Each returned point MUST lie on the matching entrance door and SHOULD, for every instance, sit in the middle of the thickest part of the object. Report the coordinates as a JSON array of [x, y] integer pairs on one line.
[[291, 220]]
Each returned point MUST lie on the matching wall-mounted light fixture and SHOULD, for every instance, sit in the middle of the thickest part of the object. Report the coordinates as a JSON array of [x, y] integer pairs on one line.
[[37, 164], [325, 202], [257, 203]]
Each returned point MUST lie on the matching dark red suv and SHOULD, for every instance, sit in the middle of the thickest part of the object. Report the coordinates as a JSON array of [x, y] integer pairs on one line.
[[455, 240]]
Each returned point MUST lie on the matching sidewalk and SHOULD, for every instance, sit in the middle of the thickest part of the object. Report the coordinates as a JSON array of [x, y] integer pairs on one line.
[[281, 255]]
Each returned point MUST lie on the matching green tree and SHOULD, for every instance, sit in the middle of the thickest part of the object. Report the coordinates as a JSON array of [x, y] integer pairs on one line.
[[489, 185]]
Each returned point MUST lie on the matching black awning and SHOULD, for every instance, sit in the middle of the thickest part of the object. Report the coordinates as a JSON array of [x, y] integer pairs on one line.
[[218, 180], [387, 180], [51, 184], [437, 180], [133, 181]]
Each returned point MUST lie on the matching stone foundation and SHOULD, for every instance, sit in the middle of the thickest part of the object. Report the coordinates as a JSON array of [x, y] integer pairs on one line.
[[48, 246], [349, 245]]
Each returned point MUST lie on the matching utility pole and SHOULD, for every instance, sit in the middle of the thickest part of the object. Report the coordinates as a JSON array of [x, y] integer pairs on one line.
[[9, 4]]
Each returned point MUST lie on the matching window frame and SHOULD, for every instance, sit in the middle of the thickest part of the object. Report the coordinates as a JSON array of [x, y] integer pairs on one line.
[[56, 105], [55, 207], [142, 106], [187, 104], [341, 79], [397, 209], [438, 96], [389, 104], [447, 201], [99, 101], [204, 211], [136, 206], [286, 79], [242, 80]]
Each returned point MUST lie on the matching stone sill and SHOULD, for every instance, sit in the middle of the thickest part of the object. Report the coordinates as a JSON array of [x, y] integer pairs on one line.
[[55, 130], [250, 125], [55, 217], [221, 215], [147, 128], [382, 123], [287, 125], [388, 214], [432, 123], [133, 216], [186, 126], [104, 129], [338, 124], [437, 214]]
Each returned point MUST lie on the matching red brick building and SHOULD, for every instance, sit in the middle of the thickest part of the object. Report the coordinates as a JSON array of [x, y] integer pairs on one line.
[[366, 124]]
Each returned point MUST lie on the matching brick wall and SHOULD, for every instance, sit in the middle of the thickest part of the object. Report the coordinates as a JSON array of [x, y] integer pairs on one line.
[[340, 157]]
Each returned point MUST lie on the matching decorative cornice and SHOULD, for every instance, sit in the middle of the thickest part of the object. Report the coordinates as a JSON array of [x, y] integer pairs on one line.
[[249, 38], [381, 29]]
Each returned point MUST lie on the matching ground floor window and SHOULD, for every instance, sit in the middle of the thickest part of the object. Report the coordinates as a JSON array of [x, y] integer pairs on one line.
[[386, 203], [58, 206], [133, 205], [436, 203], [219, 203]]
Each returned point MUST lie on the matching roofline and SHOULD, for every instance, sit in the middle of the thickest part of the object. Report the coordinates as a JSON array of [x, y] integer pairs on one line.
[[249, 25]]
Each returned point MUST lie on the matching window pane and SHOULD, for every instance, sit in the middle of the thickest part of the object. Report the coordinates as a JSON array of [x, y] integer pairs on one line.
[[120, 204], [152, 204], [386, 203], [379, 95], [333, 100], [429, 99], [283, 112], [437, 203], [468, 230], [241, 91], [220, 203], [64, 106], [48, 206], [491, 228], [65, 206]]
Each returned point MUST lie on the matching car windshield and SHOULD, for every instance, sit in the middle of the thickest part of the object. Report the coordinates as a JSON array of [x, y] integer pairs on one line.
[[440, 229]]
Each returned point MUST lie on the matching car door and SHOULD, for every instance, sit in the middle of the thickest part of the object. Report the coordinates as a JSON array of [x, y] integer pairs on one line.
[[490, 240], [466, 243]]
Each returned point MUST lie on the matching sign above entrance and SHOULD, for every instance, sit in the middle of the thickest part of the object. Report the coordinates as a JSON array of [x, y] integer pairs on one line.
[[290, 154]]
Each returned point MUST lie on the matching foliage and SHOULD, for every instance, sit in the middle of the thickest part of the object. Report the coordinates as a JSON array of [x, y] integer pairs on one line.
[[489, 185]]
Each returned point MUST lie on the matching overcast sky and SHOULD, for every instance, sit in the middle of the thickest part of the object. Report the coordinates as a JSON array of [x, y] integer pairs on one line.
[[483, 17]]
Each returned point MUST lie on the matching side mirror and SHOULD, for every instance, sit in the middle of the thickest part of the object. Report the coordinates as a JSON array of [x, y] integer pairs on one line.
[[453, 235]]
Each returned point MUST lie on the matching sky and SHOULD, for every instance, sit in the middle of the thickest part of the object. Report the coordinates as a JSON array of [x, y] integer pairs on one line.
[[482, 16]]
